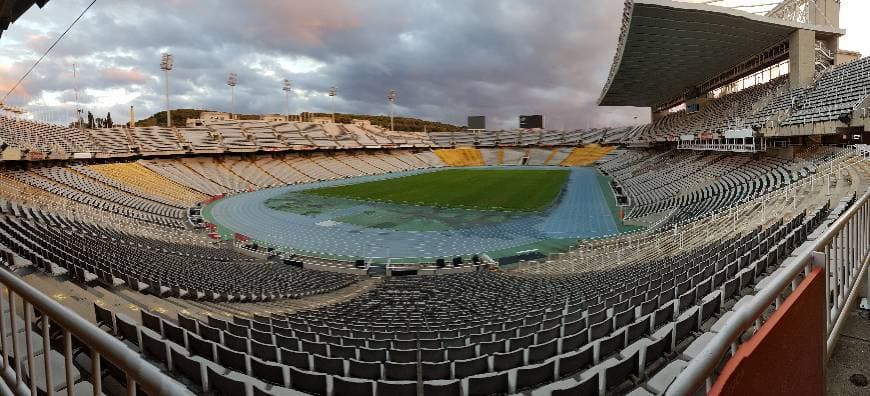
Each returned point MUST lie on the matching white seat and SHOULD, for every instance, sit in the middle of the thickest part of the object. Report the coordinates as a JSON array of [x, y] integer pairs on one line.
[[600, 369]]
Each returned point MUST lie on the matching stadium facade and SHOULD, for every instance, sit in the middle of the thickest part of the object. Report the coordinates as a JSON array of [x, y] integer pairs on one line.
[[747, 196]]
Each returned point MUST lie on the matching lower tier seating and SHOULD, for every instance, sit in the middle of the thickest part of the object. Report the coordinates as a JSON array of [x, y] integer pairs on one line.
[[92, 254], [615, 331]]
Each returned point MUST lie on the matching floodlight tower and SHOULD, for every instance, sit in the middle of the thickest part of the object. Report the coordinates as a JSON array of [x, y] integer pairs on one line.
[[232, 80], [288, 87], [79, 112], [391, 96], [166, 66], [333, 92]]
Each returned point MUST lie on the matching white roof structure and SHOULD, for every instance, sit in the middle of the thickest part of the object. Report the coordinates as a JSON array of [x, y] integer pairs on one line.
[[667, 48]]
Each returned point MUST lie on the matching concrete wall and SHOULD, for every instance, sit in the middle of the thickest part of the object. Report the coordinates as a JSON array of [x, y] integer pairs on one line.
[[828, 12], [846, 56], [786, 356], [786, 153], [802, 58]]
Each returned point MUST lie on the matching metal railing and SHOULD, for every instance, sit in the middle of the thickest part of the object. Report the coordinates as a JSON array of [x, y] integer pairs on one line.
[[843, 250], [19, 369]]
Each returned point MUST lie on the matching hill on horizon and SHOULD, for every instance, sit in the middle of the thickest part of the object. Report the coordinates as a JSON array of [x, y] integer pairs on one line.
[[408, 124]]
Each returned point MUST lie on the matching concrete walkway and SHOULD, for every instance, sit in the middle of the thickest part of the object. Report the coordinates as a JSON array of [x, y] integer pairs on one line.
[[848, 371]]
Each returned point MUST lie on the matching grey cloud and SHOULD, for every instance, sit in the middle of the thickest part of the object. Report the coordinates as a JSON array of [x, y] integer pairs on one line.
[[446, 58]]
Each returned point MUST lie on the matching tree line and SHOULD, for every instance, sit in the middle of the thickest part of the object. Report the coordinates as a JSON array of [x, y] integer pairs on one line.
[[94, 122]]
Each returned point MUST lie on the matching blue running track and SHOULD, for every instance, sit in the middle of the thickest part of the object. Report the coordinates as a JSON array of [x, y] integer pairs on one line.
[[580, 212]]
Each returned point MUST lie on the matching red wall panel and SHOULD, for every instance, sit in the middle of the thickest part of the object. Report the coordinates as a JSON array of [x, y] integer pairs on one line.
[[786, 356]]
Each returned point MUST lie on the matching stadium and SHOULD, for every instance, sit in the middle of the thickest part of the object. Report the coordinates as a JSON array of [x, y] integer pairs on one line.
[[721, 248]]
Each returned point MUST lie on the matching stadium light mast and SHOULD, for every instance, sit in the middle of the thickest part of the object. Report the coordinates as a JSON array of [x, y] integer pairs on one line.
[[288, 87], [166, 66], [391, 96], [232, 80], [333, 92], [79, 111]]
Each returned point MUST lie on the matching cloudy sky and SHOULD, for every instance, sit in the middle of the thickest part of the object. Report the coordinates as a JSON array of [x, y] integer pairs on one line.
[[446, 58]]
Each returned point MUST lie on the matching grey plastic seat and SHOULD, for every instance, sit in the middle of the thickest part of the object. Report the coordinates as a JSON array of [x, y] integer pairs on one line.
[[570, 387], [326, 365], [487, 384], [576, 361], [400, 371], [342, 386], [533, 375], [468, 367], [366, 370], [153, 347], [221, 384], [442, 388], [403, 355], [507, 361], [396, 388], [270, 373], [296, 359], [308, 382], [436, 371]]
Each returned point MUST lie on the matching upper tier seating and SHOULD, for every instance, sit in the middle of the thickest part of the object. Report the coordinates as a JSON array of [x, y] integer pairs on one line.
[[155, 140], [201, 140], [776, 109], [112, 141], [461, 157], [836, 93], [584, 156], [718, 115], [44, 138]]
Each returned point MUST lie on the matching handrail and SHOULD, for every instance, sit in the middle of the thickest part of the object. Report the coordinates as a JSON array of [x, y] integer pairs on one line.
[[700, 368], [138, 371]]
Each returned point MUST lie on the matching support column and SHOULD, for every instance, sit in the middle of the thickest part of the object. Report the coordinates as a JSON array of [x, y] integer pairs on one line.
[[802, 58]]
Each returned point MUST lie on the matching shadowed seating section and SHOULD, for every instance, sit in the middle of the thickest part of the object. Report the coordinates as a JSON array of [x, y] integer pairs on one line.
[[90, 254]]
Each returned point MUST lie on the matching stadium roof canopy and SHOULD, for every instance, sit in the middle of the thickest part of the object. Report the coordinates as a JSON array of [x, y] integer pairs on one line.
[[667, 47], [10, 10]]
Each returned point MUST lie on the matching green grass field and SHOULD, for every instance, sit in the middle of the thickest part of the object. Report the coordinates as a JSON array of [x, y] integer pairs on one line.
[[491, 189]]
